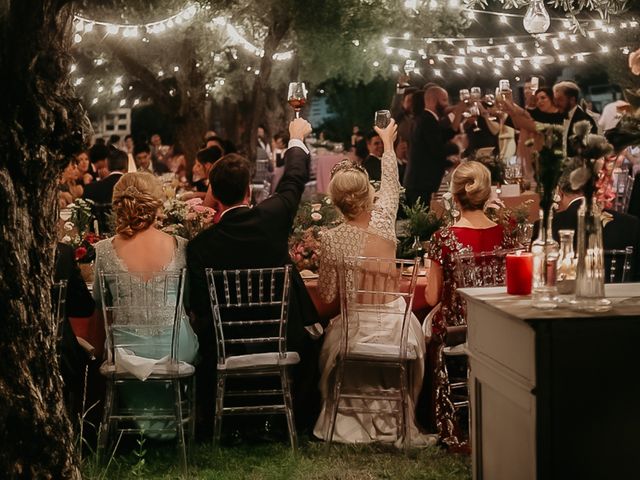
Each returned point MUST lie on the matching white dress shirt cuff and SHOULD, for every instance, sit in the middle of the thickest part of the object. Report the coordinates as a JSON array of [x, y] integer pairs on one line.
[[295, 142]]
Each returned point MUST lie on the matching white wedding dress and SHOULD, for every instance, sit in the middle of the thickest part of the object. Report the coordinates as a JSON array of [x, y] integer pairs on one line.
[[348, 240]]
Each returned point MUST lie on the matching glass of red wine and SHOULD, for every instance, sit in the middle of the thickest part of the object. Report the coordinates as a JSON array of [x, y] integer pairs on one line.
[[297, 96]]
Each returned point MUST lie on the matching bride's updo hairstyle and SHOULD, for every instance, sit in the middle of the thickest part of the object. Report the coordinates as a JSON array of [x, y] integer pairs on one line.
[[137, 197], [350, 189], [471, 185]]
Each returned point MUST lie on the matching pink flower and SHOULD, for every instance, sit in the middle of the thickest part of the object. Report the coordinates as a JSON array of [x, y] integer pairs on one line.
[[194, 202]]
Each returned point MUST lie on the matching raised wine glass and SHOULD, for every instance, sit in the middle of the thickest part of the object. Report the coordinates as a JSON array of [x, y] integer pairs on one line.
[[297, 96]]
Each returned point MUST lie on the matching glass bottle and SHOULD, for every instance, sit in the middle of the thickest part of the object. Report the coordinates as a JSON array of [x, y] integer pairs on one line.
[[566, 278], [416, 247], [545, 252]]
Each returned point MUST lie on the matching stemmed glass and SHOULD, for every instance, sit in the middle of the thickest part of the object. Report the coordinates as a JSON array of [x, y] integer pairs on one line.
[[297, 96], [464, 97], [476, 95]]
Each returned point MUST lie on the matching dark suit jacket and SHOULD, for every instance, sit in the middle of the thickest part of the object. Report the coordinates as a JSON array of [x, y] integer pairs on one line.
[[373, 166], [623, 231], [102, 191], [254, 238], [428, 157]]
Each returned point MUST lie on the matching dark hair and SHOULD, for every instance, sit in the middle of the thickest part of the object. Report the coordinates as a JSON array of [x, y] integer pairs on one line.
[[229, 179], [417, 102], [98, 152], [548, 91], [141, 148], [371, 134], [127, 137], [114, 138], [362, 151], [209, 155], [284, 136], [117, 160], [542, 82], [409, 91]]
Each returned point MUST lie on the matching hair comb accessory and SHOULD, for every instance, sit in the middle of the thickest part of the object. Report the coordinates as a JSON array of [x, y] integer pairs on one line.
[[346, 165], [131, 191]]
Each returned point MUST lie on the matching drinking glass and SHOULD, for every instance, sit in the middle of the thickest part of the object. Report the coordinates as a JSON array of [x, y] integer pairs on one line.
[[297, 96], [464, 95], [476, 94], [382, 118]]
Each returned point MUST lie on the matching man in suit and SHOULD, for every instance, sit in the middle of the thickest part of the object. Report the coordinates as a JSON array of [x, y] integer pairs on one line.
[[372, 164], [621, 232], [255, 237], [428, 155], [98, 154], [566, 97], [102, 191]]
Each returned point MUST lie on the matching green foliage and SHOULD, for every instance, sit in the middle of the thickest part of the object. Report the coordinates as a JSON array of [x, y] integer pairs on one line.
[[419, 222], [139, 468], [605, 8]]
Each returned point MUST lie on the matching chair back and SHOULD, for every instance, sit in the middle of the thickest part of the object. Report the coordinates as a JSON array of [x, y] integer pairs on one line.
[[482, 269], [250, 310], [142, 312], [376, 298], [622, 186], [58, 304], [618, 265]]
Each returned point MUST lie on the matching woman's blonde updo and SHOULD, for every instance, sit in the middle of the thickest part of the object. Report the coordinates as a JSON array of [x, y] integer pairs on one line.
[[471, 185], [351, 191], [137, 197]]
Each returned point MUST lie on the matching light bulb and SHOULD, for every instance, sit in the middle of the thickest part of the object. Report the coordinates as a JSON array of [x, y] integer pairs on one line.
[[536, 20]]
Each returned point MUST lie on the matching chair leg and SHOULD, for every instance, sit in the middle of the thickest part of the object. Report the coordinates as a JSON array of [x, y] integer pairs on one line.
[[103, 435], [288, 407], [182, 449], [337, 389], [217, 426], [192, 415], [404, 400]]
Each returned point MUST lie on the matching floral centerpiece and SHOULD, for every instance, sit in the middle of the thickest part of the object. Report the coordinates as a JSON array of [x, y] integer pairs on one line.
[[74, 229], [312, 218], [186, 218], [514, 221], [419, 226]]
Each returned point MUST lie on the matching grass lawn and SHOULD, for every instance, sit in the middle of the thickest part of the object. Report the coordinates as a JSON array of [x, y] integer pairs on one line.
[[314, 461]]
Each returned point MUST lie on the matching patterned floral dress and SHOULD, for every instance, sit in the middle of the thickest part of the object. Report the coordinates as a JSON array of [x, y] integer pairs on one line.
[[445, 245]]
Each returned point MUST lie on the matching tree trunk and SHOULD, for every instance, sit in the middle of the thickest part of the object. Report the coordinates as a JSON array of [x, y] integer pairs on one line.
[[279, 27], [41, 126]]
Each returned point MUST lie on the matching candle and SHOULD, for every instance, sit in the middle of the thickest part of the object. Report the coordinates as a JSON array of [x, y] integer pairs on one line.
[[519, 273], [95, 227]]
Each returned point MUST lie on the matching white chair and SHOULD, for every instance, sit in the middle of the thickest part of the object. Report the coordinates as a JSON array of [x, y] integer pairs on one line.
[[370, 290], [58, 304], [250, 314], [142, 315], [622, 186], [618, 265]]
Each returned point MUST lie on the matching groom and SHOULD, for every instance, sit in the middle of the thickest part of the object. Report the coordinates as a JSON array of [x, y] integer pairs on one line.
[[255, 237]]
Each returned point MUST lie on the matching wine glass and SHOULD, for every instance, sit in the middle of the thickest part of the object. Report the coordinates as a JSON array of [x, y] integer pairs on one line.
[[476, 95], [382, 118], [464, 97], [297, 96]]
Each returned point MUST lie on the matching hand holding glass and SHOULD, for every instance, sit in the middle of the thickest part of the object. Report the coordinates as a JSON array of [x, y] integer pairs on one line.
[[297, 96], [382, 118]]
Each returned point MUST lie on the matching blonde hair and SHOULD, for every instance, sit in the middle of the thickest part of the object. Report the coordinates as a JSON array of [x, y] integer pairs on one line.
[[137, 197], [471, 185], [351, 191]]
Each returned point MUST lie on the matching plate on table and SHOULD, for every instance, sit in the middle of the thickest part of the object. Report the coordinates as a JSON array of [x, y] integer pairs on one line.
[[409, 271], [308, 274]]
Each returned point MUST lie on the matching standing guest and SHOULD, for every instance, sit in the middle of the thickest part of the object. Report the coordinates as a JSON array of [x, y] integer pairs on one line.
[[279, 147], [145, 161], [102, 191], [255, 237], [473, 232], [402, 156], [566, 96], [356, 135], [157, 150], [368, 230], [129, 144], [98, 154], [402, 109], [428, 154], [372, 163], [264, 146]]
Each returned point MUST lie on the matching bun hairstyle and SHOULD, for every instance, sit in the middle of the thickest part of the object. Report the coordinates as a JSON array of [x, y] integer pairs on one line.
[[350, 189], [471, 185], [137, 197]]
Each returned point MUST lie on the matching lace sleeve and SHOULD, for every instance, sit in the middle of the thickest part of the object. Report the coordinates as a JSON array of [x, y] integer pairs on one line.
[[328, 271], [383, 217]]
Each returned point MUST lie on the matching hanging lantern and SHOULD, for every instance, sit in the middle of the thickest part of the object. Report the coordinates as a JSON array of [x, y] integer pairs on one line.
[[536, 20]]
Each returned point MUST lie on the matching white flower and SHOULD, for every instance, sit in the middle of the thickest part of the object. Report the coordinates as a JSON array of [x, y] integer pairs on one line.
[[68, 226], [327, 200], [316, 216], [579, 178], [66, 239], [315, 207]]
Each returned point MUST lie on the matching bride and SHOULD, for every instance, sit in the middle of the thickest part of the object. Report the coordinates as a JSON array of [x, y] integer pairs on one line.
[[368, 230]]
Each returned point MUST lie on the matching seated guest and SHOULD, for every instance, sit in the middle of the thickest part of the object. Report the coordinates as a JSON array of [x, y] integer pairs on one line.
[[255, 237], [372, 163], [147, 163], [78, 303], [177, 163], [368, 230], [473, 232], [621, 232], [101, 192], [139, 247], [98, 154], [68, 187], [84, 168], [205, 159]]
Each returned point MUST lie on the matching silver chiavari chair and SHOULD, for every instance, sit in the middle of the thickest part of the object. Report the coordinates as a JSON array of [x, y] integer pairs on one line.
[[618, 265]]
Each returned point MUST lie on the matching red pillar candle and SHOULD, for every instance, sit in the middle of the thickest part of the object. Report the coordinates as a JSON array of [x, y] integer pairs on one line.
[[519, 273]]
